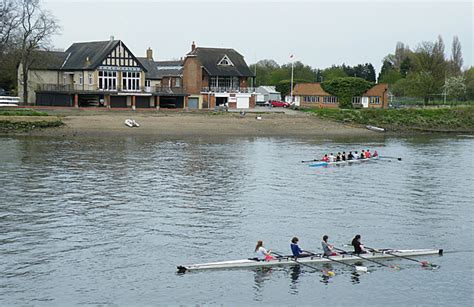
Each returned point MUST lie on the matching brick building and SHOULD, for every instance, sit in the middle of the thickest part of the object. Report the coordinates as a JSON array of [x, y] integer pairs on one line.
[[313, 95], [217, 76]]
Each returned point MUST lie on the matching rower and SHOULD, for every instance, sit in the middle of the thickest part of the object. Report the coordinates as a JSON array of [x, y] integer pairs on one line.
[[325, 158], [376, 154], [356, 155], [338, 157], [262, 253], [350, 156], [344, 156], [328, 248], [296, 250], [358, 247], [367, 154], [331, 157], [362, 154]]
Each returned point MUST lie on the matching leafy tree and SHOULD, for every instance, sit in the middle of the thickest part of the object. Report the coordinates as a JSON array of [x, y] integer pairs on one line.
[[422, 84], [455, 87], [455, 64], [400, 88], [332, 73], [469, 77], [346, 88]]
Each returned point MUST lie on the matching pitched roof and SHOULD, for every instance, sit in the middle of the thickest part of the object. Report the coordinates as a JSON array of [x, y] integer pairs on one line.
[[150, 66], [159, 69], [377, 90], [267, 89], [309, 89], [95, 51], [211, 57], [48, 60]]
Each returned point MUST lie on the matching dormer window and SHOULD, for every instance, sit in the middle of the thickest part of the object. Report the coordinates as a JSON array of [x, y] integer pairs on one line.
[[225, 61]]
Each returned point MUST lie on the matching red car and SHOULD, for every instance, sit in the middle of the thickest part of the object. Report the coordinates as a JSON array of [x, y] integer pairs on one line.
[[280, 104]]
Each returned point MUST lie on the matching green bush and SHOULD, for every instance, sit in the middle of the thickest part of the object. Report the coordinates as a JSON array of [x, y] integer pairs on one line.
[[346, 88]]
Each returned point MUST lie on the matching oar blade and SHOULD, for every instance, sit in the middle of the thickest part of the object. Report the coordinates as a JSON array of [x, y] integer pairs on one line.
[[361, 268]]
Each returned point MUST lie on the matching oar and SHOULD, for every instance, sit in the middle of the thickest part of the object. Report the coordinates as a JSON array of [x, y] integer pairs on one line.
[[357, 267], [306, 161], [310, 266], [385, 157], [423, 263], [379, 263]]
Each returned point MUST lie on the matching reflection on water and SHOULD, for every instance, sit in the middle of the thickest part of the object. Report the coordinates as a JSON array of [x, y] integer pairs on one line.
[[106, 221]]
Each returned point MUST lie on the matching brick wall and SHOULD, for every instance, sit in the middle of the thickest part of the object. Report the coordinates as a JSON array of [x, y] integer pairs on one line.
[[192, 76]]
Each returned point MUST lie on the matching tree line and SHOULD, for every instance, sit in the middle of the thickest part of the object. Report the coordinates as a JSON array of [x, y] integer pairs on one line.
[[424, 72], [427, 73], [24, 28]]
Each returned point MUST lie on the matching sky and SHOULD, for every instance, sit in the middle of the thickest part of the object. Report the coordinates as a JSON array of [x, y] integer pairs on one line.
[[318, 33]]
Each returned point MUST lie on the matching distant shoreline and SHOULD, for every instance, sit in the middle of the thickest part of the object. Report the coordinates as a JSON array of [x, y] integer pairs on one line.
[[175, 124]]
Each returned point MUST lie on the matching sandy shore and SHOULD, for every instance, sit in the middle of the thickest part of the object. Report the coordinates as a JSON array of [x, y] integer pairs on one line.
[[177, 124]]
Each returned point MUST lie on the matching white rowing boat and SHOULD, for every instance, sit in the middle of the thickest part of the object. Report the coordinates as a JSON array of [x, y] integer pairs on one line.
[[374, 128], [347, 162], [315, 259]]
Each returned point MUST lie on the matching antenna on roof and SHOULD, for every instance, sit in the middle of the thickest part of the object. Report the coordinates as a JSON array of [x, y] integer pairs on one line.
[[112, 37]]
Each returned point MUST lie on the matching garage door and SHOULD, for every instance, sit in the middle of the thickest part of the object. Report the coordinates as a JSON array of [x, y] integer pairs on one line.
[[118, 101], [193, 103], [243, 103], [142, 101]]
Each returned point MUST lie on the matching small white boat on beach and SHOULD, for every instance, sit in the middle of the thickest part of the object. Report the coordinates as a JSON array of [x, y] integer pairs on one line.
[[376, 129], [131, 123]]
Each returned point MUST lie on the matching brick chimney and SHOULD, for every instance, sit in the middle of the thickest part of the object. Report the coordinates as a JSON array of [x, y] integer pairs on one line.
[[193, 46], [149, 53]]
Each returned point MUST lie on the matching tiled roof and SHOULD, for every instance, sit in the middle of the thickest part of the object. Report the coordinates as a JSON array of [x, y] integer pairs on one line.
[[48, 60], [210, 57], [309, 89], [95, 51], [377, 90], [159, 69]]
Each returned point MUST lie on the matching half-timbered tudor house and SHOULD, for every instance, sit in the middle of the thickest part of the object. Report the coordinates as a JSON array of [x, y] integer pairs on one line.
[[103, 73]]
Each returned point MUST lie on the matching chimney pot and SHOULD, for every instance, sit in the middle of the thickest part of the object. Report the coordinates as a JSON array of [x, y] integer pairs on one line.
[[193, 46], [149, 53]]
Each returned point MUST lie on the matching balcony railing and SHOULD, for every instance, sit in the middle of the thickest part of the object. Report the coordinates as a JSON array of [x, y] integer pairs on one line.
[[229, 89], [76, 88]]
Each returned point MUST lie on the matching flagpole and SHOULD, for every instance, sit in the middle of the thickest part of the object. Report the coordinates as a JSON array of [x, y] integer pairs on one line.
[[291, 86]]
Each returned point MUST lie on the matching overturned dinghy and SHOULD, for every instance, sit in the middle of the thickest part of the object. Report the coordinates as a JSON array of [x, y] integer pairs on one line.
[[131, 123], [377, 129]]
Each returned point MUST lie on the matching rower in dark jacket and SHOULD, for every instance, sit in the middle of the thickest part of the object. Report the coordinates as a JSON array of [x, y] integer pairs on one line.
[[358, 247]]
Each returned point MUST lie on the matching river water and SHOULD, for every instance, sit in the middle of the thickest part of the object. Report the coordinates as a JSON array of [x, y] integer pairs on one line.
[[101, 221]]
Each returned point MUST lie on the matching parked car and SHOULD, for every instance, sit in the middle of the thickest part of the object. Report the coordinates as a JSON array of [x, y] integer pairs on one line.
[[279, 104]]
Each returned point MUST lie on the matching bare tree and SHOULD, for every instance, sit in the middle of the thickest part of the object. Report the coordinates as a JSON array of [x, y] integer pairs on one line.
[[456, 57], [9, 20], [35, 31]]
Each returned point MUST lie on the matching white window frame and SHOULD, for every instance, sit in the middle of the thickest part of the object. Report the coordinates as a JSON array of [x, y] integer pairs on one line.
[[91, 79], [130, 81], [107, 80], [81, 78], [225, 61]]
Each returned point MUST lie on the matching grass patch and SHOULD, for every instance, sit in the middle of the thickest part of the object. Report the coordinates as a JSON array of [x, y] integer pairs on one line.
[[456, 118], [22, 112], [15, 126]]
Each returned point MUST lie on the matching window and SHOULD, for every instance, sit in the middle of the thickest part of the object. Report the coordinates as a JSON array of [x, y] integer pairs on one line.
[[225, 61], [147, 83], [224, 82], [107, 80], [177, 82], [90, 79], [81, 78], [330, 99], [356, 100], [130, 81], [375, 100]]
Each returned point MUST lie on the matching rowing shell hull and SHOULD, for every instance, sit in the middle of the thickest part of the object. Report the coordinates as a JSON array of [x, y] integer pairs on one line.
[[316, 259], [322, 163]]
